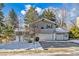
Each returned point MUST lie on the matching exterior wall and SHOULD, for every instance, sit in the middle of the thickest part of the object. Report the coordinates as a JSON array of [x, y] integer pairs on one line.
[[47, 34], [43, 25], [45, 31], [66, 36], [62, 36], [46, 37], [51, 37], [59, 37]]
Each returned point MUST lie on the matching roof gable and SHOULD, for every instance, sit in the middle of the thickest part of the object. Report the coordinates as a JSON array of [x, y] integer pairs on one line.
[[43, 19]]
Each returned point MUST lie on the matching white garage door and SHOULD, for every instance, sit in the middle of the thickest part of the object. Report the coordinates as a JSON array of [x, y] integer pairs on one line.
[[59, 37], [45, 37]]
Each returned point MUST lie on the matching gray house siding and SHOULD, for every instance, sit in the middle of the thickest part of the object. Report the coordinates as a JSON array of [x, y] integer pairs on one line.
[[61, 36], [43, 25], [46, 31]]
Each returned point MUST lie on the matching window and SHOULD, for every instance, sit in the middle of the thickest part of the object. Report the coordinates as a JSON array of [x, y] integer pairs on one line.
[[42, 27], [49, 26]]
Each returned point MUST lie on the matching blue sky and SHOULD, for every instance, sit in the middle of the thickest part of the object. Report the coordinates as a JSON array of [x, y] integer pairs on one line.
[[20, 8]]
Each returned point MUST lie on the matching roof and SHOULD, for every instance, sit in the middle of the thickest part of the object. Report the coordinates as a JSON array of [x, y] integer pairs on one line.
[[61, 30], [43, 19]]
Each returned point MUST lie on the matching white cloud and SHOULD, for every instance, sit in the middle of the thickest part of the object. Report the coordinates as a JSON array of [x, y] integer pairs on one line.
[[58, 13], [73, 9], [23, 12], [73, 12], [27, 6], [39, 10]]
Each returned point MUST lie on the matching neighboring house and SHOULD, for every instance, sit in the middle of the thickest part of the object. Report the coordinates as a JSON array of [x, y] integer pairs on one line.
[[77, 22], [46, 30]]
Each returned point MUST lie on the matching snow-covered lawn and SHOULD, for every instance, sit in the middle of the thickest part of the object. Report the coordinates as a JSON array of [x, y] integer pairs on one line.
[[75, 41], [20, 46]]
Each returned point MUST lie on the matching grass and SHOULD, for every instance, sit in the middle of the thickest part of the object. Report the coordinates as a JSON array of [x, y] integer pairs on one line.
[[35, 52]]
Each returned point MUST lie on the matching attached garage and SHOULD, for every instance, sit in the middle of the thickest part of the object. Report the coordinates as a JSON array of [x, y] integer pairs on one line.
[[45, 37], [59, 37], [61, 34]]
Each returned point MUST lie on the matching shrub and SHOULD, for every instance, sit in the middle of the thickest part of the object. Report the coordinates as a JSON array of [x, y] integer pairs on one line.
[[74, 32]]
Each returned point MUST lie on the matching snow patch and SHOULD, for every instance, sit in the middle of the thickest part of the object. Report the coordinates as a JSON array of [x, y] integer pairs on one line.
[[20, 45]]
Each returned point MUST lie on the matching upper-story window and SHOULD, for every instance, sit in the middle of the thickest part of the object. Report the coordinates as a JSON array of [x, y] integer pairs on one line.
[[49, 26], [42, 27]]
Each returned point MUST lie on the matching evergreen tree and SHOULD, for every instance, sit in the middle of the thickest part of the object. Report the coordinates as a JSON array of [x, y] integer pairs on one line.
[[1, 6], [1, 18], [13, 18], [48, 14], [31, 15], [6, 30]]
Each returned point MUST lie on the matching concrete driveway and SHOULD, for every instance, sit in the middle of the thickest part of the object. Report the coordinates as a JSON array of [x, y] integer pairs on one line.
[[58, 44]]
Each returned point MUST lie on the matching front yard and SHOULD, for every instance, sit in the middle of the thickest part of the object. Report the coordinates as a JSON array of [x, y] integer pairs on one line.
[[50, 52], [56, 48]]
